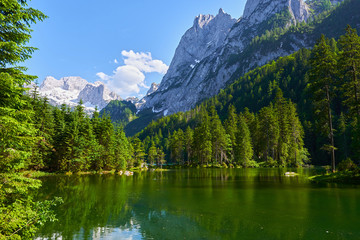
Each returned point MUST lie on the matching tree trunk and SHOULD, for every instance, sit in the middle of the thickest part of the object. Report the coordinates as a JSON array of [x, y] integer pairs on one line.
[[331, 130]]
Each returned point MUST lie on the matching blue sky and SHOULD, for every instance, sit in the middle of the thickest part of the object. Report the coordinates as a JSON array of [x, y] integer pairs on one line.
[[107, 40]]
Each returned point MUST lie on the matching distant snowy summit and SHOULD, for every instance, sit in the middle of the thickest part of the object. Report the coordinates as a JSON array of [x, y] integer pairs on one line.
[[70, 90]]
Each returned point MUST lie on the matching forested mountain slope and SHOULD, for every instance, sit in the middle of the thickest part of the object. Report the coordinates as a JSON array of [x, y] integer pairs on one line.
[[264, 48], [261, 88]]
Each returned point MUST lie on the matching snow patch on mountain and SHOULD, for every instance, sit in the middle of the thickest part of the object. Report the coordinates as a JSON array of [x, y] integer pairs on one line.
[[70, 90]]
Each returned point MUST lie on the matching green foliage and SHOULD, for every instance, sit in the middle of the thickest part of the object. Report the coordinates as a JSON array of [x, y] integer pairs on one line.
[[19, 214], [347, 165], [120, 112], [23, 141], [138, 152], [17, 137], [320, 5], [322, 76], [17, 134], [349, 64], [83, 144], [238, 139], [152, 155], [244, 151]]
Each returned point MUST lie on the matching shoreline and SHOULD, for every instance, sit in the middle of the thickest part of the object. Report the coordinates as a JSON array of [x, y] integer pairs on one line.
[[347, 177], [337, 177]]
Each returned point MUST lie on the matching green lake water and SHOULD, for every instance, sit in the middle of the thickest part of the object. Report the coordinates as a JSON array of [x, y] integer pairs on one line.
[[202, 204]]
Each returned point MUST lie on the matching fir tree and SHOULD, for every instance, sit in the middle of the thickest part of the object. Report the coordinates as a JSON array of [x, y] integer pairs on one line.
[[349, 64], [202, 139], [244, 151], [269, 132], [188, 144], [152, 154], [322, 81], [219, 138], [231, 128]]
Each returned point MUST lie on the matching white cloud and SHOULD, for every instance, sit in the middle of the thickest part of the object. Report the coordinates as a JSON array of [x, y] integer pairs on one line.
[[103, 76], [116, 61], [129, 79], [144, 62]]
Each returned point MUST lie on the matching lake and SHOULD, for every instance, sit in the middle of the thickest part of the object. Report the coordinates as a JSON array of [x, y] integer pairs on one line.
[[202, 204]]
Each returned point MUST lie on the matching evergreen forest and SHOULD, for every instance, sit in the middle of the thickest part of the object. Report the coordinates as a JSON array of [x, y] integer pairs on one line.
[[297, 111]]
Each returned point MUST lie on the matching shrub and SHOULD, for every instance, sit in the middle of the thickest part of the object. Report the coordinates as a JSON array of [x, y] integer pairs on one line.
[[347, 165]]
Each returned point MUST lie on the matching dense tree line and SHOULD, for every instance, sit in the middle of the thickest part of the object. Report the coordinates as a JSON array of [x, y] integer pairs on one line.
[[273, 136], [323, 83], [69, 140]]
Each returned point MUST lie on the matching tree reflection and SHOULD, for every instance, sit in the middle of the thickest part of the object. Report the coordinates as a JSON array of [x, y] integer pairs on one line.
[[199, 204]]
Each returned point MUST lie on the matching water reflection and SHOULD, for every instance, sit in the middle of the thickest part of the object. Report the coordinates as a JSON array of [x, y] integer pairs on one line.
[[201, 204]]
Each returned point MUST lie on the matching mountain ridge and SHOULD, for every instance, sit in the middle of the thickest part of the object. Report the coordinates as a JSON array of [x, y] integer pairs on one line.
[[70, 90], [181, 94], [263, 48]]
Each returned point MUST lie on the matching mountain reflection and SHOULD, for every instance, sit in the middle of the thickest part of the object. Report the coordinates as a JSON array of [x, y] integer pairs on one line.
[[197, 204]]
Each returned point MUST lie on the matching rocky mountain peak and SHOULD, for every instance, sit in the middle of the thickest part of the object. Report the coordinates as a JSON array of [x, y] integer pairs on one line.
[[70, 90], [133, 100], [221, 12], [154, 87], [258, 10], [202, 39], [202, 20]]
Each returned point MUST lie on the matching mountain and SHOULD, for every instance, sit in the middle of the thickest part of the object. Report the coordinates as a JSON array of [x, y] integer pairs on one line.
[[139, 103], [288, 78], [70, 90], [133, 100], [255, 45], [206, 35], [199, 70]]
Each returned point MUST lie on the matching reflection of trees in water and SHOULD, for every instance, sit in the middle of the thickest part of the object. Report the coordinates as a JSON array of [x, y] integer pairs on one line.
[[110, 201], [89, 202], [191, 204]]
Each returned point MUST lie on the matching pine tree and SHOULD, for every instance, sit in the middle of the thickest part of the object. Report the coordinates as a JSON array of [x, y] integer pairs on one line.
[[188, 144], [321, 84], [281, 108], [177, 146], [17, 134], [138, 152], [268, 132], [297, 153], [122, 148], [349, 65], [253, 126], [231, 128], [44, 122], [202, 138], [219, 138], [343, 137], [160, 158], [244, 151], [152, 154]]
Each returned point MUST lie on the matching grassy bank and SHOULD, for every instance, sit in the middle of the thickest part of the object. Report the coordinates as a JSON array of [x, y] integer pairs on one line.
[[351, 177]]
